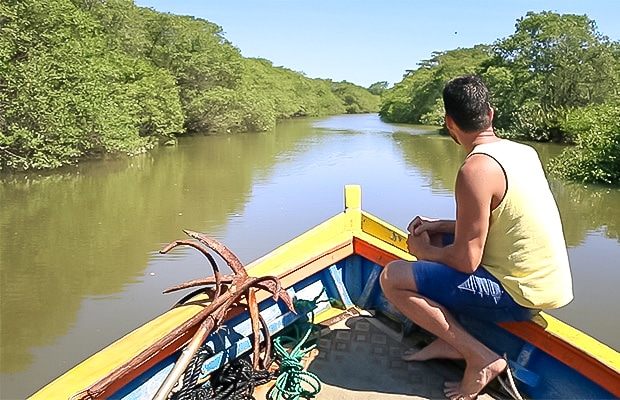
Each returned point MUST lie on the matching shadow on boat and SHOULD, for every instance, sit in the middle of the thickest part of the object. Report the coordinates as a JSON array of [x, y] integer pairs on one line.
[[360, 358]]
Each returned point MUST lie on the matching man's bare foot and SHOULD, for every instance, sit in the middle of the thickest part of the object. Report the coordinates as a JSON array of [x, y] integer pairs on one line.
[[474, 380], [436, 349]]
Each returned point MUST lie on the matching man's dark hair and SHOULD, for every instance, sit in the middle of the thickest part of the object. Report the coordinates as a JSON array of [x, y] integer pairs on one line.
[[466, 100]]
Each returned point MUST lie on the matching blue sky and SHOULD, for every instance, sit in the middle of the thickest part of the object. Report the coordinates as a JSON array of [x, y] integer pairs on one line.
[[366, 41]]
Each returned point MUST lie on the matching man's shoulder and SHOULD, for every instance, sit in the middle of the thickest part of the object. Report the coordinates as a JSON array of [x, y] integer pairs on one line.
[[481, 175], [479, 162], [506, 149], [481, 169]]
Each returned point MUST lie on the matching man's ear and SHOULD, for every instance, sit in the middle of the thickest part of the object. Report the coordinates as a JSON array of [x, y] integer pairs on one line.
[[449, 122]]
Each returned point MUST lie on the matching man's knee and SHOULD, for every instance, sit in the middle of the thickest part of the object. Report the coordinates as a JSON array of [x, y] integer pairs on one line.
[[395, 275]]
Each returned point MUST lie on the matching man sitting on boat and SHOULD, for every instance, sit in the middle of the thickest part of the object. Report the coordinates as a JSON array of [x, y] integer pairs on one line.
[[503, 259]]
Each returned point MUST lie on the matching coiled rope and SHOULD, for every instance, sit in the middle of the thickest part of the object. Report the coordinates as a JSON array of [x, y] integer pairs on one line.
[[237, 379], [293, 382], [234, 381]]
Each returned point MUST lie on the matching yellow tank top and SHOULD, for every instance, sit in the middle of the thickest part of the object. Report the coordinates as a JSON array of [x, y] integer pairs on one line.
[[525, 248]]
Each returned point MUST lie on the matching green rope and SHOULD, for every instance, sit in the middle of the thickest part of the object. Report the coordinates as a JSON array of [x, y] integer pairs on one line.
[[293, 381]]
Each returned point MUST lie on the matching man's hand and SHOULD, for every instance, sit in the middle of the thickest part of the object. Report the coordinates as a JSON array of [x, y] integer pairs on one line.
[[422, 224], [417, 244], [426, 234]]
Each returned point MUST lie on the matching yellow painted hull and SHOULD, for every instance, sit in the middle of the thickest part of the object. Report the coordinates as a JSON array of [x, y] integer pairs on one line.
[[352, 232]]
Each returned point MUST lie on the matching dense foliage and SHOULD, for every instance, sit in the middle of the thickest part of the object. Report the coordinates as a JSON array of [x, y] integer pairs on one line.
[[555, 79], [417, 99], [80, 78], [65, 95], [595, 129], [83, 78]]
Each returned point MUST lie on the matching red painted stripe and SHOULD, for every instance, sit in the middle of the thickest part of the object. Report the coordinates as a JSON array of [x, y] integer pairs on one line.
[[585, 364]]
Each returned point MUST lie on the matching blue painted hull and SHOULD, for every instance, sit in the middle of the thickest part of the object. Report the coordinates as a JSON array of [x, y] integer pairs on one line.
[[353, 282], [330, 268]]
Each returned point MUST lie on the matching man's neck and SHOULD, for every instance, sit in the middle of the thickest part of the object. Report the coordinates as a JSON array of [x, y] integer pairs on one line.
[[470, 141]]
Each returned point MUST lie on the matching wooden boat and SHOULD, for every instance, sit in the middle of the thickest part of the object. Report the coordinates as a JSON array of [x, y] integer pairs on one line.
[[329, 275]]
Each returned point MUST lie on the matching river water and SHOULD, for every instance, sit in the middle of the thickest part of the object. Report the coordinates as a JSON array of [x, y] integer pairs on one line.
[[79, 247]]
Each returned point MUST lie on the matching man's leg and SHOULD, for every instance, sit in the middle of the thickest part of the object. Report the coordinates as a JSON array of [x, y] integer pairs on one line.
[[438, 348], [482, 364]]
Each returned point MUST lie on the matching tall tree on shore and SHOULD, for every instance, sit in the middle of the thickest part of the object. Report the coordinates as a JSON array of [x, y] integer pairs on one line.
[[84, 78], [417, 98], [552, 63], [65, 95]]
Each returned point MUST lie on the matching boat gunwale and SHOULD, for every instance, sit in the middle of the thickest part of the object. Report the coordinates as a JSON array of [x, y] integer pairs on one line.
[[350, 232]]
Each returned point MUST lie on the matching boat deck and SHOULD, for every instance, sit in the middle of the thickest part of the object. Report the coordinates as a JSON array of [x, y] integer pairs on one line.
[[359, 358]]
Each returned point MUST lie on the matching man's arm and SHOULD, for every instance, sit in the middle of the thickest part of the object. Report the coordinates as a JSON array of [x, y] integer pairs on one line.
[[480, 186]]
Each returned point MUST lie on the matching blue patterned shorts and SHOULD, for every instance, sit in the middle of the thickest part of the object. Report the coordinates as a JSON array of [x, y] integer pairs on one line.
[[478, 295]]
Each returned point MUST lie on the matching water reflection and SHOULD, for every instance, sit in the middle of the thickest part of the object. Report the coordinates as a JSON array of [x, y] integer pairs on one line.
[[78, 255], [86, 233], [588, 209], [434, 156], [584, 209]]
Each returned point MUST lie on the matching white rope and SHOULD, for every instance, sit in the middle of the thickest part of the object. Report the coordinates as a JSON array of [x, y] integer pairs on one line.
[[510, 387]]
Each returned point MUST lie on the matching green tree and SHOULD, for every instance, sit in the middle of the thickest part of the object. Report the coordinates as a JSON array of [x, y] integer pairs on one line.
[[397, 104], [417, 99], [66, 96], [356, 99], [378, 88], [553, 63], [504, 97], [595, 158], [201, 59], [267, 94]]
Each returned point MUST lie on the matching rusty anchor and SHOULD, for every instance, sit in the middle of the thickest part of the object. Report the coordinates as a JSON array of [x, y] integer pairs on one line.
[[232, 290]]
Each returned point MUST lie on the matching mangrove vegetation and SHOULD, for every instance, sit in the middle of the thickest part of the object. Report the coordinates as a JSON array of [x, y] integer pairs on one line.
[[556, 79], [85, 78], [88, 78]]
